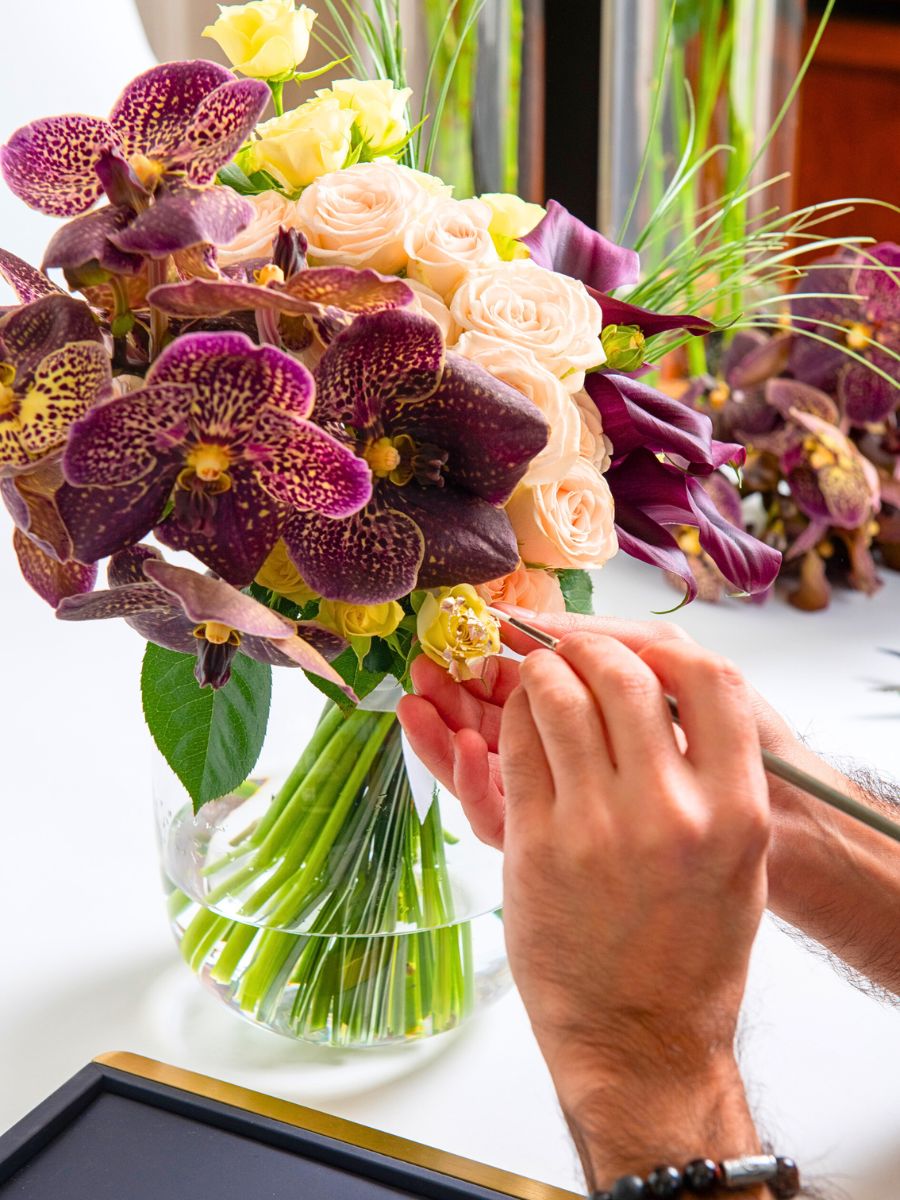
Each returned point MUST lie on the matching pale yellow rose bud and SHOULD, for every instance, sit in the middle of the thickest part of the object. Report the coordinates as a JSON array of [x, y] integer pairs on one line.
[[457, 631], [279, 575], [265, 39], [361, 620], [379, 110], [307, 142], [512, 217]]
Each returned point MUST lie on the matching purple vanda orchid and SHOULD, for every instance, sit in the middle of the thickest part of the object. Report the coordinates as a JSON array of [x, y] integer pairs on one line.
[[53, 368], [191, 613], [446, 442], [662, 450], [221, 430]]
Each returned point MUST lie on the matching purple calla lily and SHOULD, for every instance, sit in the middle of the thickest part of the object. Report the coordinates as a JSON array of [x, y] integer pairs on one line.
[[447, 444], [198, 614], [53, 368], [181, 120], [220, 429], [861, 311], [653, 496]]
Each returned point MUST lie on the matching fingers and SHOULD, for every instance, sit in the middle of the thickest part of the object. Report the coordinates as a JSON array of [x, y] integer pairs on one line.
[[568, 723], [473, 705], [429, 737], [527, 779], [477, 783], [715, 708], [628, 694], [633, 634]]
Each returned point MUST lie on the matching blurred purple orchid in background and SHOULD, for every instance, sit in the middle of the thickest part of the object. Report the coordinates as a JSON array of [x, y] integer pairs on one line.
[[198, 614], [446, 442], [220, 429]]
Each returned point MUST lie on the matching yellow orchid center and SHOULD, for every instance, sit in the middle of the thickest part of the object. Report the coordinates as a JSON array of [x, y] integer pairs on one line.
[[217, 634], [383, 457], [148, 170], [8, 401], [209, 461], [269, 274], [859, 335], [719, 395]]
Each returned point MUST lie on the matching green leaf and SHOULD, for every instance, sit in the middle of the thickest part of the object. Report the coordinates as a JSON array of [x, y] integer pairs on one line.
[[577, 590], [232, 176], [210, 739]]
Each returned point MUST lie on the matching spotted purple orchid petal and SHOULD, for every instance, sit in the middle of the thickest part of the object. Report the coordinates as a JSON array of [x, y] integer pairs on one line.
[[867, 398], [26, 281], [636, 415], [308, 293], [299, 652], [125, 439], [126, 601], [64, 386], [31, 500], [28, 334], [184, 216], [381, 357], [221, 124], [283, 653], [240, 534], [880, 289], [302, 466], [51, 579], [87, 241], [101, 520], [154, 110], [564, 244], [752, 358], [788, 396], [50, 163], [470, 410]]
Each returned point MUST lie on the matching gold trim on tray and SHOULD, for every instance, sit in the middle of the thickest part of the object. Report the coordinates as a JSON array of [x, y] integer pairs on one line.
[[310, 1119]]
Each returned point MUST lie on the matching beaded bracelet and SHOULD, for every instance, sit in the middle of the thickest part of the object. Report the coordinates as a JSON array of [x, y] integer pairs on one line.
[[704, 1177]]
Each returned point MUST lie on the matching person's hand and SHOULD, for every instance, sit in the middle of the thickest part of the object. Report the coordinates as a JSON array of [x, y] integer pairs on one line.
[[634, 883]]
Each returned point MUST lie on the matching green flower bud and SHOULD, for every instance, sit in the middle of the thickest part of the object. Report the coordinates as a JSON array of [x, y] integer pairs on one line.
[[624, 346]]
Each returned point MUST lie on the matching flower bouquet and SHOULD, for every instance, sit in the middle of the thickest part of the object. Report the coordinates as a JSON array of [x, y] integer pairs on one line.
[[367, 410]]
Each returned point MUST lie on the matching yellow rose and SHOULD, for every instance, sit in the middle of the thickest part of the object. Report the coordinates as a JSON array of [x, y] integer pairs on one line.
[[265, 39], [511, 218], [457, 631], [361, 620], [279, 574], [379, 110], [309, 141]]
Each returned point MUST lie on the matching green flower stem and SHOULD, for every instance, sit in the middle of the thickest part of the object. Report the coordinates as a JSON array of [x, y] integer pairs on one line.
[[276, 87]]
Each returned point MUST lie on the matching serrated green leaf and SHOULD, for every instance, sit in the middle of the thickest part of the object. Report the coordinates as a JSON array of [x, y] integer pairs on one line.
[[210, 739], [577, 590]]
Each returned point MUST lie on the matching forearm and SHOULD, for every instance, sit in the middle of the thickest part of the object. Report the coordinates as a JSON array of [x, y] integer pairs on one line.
[[834, 879], [628, 1124]]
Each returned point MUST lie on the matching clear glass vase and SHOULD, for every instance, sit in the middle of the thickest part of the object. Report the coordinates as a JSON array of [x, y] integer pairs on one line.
[[342, 901]]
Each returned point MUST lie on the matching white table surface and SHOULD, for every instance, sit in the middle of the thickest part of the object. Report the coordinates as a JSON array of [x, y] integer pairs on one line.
[[87, 963]]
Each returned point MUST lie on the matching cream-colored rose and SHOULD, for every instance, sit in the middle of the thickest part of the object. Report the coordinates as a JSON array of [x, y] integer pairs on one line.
[[432, 185], [265, 39], [379, 110], [431, 305], [457, 631], [521, 370], [551, 315], [567, 524], [511, 218], [359, 216], [273, 212], [305, 143], [448, 241], [594, 444], [526, 587]]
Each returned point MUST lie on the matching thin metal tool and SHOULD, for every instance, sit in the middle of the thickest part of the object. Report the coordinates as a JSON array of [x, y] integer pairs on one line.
[[773, 764]]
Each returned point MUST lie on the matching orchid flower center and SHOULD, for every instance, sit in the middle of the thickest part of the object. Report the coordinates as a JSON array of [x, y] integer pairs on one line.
[[217, 645], [720, 395], [269, 274], [218, 634], [859, 335], [8, 400], [824, 451], [209, 461], [402, 459], [148, 170]]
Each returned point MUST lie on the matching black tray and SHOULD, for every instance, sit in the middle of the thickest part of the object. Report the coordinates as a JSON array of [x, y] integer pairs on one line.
[[128, 1128]]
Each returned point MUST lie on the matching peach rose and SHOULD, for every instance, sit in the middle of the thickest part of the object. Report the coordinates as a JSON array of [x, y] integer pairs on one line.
[[430, 304], [549, 314], [595, 445], [447, 241], [273, 210], [521, 370], [568, 523], [527, 587], [358, 216]]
